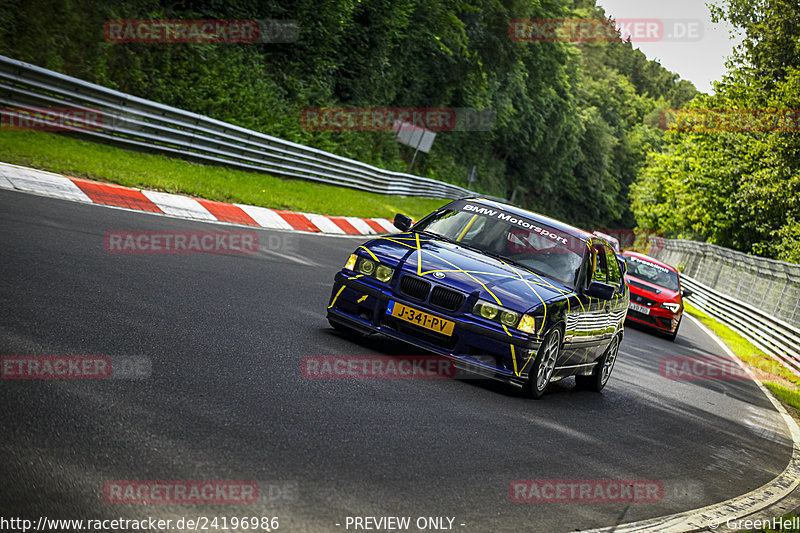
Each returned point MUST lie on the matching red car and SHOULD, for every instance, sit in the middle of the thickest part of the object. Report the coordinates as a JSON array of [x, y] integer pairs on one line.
[[656, 294]]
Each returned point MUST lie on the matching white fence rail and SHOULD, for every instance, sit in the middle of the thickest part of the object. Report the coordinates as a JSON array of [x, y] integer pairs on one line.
[[776, 338], [758, 298], [765, 284], [136, 123]]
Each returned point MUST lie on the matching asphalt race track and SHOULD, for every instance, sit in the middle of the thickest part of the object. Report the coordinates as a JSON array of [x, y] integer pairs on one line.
[[225, 399]]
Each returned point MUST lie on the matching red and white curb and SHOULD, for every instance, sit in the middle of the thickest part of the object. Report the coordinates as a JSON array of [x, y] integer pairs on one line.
[[83, 190]]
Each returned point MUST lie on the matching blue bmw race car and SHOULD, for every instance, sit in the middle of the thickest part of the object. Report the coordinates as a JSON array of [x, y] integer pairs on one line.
[[503, 292]]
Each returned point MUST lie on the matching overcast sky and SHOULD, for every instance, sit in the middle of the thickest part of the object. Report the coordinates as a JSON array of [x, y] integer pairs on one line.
[[698, 56]]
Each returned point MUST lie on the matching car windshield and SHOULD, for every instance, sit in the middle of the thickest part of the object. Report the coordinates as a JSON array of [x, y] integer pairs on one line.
[[653, 273], [530, 244]]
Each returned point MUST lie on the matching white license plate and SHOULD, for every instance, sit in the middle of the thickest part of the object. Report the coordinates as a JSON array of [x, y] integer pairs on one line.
[[639, 308]]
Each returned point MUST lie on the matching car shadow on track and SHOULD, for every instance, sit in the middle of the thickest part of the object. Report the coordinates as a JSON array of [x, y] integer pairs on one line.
[[650, 331], [393, 347]]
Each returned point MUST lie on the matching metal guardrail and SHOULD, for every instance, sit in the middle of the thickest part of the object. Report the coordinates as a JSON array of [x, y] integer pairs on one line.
[[755, 296], [770, 286], [134, 122], [773, 336]]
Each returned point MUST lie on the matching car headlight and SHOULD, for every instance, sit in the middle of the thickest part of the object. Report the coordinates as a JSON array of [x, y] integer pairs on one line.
[[671, 306], [366, 266], [492, 312], [509, 318], [486, 311], [384, 273]]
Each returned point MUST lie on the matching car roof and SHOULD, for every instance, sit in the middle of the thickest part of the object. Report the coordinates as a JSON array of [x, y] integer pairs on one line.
[[553, 223], [650, 259], [606, 236]]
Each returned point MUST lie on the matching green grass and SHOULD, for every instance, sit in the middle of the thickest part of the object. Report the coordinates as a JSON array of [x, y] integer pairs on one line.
[[789, 397], [65, 155], [742, 348]]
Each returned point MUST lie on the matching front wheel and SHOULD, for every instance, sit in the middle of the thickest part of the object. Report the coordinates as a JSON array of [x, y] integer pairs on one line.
[[544, 365], [602, 371]]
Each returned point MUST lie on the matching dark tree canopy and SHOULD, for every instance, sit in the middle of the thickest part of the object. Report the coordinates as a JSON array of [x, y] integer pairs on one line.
[[574, 121]]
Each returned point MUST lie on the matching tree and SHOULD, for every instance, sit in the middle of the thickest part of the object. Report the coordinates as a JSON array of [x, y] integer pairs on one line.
[[737, 187]]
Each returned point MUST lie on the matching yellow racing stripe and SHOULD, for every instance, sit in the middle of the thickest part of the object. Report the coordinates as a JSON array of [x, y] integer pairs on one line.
[[369, 252], [466, 228], [341, 289]]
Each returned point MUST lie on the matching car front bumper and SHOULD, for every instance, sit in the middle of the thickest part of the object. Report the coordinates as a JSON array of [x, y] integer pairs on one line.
[[361, 303], [662, 320]]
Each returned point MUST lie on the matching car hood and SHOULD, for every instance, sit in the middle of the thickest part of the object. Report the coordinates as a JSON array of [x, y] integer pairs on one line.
[[651, 290], [467, 270]]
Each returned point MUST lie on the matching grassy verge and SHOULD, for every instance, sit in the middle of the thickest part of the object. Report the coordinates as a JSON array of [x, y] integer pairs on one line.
[[65, 155], [764, 365], [786, 396]]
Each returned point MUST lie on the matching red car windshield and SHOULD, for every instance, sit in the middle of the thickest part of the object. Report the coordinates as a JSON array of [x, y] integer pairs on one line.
[[652, 273]]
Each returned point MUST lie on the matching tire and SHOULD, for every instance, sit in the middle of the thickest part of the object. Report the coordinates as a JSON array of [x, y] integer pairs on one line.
[[543, 366], [671, 336], [602, 371]]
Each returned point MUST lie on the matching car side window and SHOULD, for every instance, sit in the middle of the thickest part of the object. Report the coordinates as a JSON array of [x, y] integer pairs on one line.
[[600, 272], [614, 275]]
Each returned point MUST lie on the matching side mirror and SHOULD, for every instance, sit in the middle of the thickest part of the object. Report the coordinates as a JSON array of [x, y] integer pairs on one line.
[[402, 222], [623, 266], [604, 291], [687, 293]]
